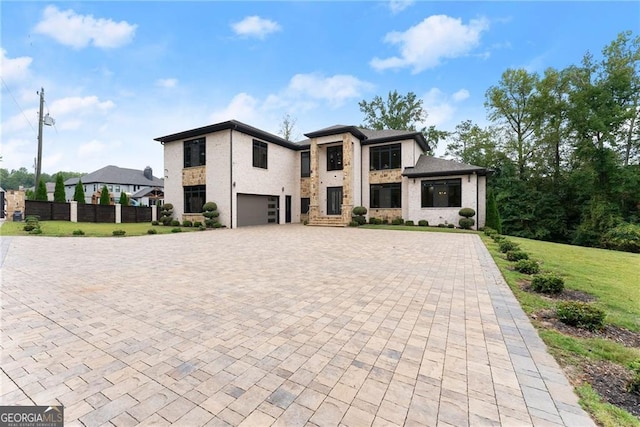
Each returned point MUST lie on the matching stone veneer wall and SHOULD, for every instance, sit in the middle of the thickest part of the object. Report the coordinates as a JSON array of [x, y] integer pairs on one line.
[[194, 176], [388, 214], [305, 187], [385, 176], [347, 177], [314, 182], [15, 202]]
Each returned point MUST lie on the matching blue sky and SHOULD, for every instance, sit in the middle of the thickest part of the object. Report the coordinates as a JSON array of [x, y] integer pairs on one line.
[[118, 74]]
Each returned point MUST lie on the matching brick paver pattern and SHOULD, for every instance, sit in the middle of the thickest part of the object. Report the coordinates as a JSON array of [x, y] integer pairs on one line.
[[278, 325]]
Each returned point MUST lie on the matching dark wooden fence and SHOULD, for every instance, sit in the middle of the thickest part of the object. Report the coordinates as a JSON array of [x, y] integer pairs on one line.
[[48, 210]]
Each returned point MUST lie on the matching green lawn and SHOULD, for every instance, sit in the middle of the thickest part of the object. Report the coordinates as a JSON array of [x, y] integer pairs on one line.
[[612, 278], [65, 228]]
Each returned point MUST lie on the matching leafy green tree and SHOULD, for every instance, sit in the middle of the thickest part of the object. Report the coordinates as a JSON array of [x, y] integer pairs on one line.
[[511, 104], [58, 193], [124, 199], [78, 195], [402, 112], [471, 144], [493, 216], [105, 197], [41, 191]]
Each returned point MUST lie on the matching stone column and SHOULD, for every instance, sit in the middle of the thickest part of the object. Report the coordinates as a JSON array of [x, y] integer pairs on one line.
[[118, 213], [73, 210], [347, 177], [314, 187]]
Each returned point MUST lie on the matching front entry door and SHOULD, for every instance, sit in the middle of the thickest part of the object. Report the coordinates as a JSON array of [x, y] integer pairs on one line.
[[287, 209], [334, 200]]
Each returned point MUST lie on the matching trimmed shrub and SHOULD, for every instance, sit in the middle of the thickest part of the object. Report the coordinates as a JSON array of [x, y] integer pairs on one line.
[[466, 212], [202, 228], [527, 266], [36, 230], [498, 238], [197, 223], [176, 230], [442, 225], [353, 224], [359, 210], [581, 315], [217, 225], [466, 223], [209, 223], [32, 223], [624, 237], [488, 231], [119, 232], [507, 245], [409, 223], [547, 283], [385, 221], [166, 214], [359, 219], [209, 207], [423, 223], [517, 255], [78, 233], [397, 221], [175, 223], [187, 223], [155, 223], [375, 221], [152, 231], [451, 225]]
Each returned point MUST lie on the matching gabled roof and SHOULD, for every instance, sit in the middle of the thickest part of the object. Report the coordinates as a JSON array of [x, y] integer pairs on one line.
[[145, 191], [231, 124], [433, 166], [337, 129], [116, 175]]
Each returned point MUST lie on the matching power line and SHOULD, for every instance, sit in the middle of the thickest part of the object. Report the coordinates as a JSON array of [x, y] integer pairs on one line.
[[16, 101]]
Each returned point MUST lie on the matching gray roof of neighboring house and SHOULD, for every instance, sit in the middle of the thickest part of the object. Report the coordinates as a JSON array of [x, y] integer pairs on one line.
[[116, 175], [143, 192], [433, 166]]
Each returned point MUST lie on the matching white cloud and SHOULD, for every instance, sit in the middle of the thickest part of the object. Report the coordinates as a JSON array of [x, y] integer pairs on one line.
[[242, 107], [14, 69], [335, 89], [426, 44], [398, 6], [167, 83], [79, 31], [460, 95], [91, 148], [80, 105], [254, 26]]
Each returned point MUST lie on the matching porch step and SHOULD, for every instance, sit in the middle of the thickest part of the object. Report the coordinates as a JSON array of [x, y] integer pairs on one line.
[[328, 222]]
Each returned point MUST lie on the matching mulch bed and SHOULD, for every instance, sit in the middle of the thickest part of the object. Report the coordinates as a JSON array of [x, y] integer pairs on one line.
[[608, 379]]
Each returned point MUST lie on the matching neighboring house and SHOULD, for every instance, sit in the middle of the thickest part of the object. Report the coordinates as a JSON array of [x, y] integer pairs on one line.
[[139, 185], [256, 177], [51, 189]]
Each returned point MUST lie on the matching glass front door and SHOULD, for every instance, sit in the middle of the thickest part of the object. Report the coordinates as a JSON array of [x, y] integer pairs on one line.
[[334, 200]]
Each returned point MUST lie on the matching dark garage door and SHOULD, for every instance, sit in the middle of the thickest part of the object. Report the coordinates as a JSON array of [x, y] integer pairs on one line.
[[257, 210]]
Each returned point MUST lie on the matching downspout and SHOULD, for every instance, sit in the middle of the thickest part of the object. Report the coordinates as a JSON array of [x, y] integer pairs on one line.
[[477, 200], [231, 177]]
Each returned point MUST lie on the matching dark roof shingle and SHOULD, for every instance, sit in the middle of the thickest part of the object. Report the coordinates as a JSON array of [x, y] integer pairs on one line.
[[116, 175], [433, 166]]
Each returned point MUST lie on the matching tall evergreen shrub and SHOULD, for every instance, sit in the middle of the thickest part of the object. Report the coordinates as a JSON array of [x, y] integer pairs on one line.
[[78, 195], [493, 216], [58, 193]]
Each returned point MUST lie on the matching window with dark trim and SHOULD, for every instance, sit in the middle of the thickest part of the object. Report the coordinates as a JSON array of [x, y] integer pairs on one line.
[[334, 158], [444, 193], [259, 154], [386, 195], [304, 205], [194, 197], [194, 153], [385, 157], [305, 164]]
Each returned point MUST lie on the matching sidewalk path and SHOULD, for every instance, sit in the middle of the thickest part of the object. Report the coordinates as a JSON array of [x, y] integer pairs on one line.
[[278, 325]]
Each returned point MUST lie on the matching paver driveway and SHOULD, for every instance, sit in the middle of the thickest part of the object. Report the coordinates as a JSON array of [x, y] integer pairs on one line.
[[283, 325]]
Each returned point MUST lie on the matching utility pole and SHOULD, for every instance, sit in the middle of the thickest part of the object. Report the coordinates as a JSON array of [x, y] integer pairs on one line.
[[40, 123]]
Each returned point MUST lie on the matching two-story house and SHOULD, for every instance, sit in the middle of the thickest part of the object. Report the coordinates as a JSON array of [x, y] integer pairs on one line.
[[256, 177]]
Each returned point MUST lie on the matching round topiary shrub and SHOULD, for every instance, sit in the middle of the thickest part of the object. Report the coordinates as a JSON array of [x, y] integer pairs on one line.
[[359, 219], [175, 223], [581, 315], [209, 207], [466, 212], [152, 231], [451, 225], [155, 223], [423, 223], [166, 214], [517, 255], [547, 283], [442, 225], [187, 223], [409, 223], [28, 227], [217, 225], [397, 221], [359, 210], [36, 230], [118, 232], [527, 266], [78, 233], [197, 223], [176, 230], [466, 223], [353, 224], [507, 245]]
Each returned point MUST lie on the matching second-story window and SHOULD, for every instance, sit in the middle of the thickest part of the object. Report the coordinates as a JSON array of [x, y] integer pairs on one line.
[[259, 154], [305, 164], [334, 158], [385, 157], [194, 153]]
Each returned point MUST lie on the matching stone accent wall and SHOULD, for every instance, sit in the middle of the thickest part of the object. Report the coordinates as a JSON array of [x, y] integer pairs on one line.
[[388, 214], [305, 187], [194, 176], [347, 177], [15, 202], [193, 217], [385, 176], [314, 182]]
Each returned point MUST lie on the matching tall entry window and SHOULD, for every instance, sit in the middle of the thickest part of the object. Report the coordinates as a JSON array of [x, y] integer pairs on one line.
[[194, 153], [305, 164], [385, 157], [334, 158], [259, 154], [446, 193], [386, 195], [194, 196], [334, 200]]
